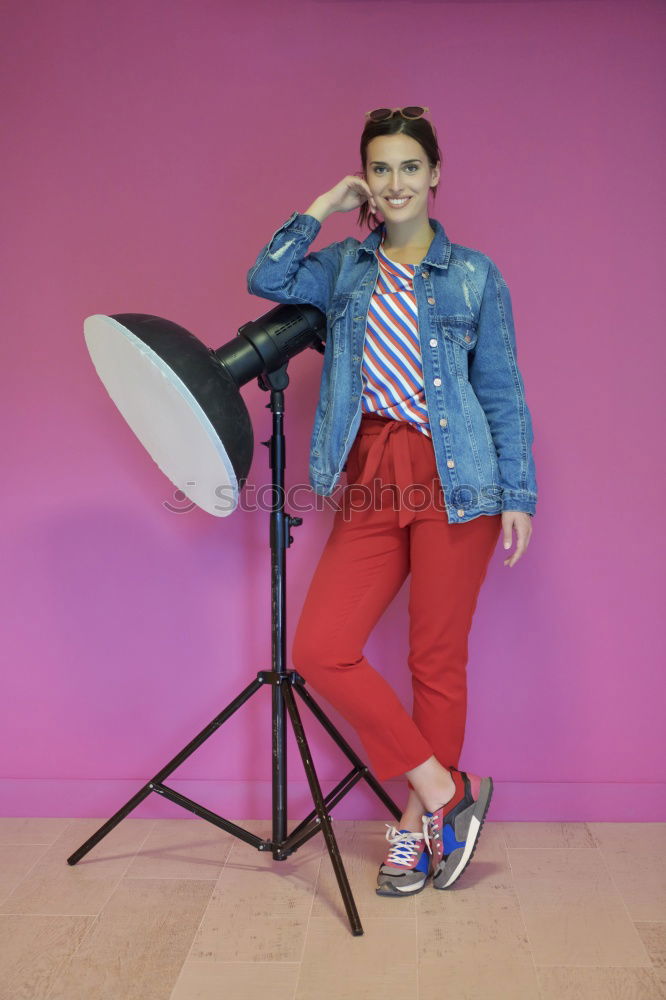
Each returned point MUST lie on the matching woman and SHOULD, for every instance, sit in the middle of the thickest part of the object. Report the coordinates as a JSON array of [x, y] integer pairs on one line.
[[420, 393]]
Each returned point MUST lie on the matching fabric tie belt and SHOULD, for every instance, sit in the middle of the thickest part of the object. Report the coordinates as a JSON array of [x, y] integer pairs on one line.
[[403, 476]]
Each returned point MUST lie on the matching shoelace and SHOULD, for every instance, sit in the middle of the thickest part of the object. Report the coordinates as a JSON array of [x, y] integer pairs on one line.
[[405, 846], [430, 831]]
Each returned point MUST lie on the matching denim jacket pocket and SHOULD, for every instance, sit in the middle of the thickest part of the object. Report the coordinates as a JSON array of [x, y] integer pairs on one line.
[[460, 335]]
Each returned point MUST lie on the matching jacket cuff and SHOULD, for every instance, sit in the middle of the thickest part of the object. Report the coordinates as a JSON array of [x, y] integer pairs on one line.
[[519, 500], [302, 223]]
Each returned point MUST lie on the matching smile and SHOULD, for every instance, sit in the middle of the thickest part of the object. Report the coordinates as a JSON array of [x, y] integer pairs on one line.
[[397, 202]]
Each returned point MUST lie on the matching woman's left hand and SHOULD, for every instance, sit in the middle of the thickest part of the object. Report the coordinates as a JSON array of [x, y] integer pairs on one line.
[[522, 522]]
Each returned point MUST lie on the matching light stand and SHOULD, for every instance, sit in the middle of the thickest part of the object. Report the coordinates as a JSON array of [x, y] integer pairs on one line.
[[284, 682]]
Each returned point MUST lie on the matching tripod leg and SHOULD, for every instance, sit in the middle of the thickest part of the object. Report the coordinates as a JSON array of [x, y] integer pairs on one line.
[[329, 836], [144, 792]]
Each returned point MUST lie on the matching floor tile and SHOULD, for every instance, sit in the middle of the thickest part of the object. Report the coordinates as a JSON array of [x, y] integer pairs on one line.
[[378, 964], [573, 913], [635, 854], [53, 886], [32, 951], [237, 981], [136, 947]]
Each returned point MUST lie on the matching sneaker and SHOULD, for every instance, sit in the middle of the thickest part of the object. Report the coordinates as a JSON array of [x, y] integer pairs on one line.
[[405, 869], [451, 832]]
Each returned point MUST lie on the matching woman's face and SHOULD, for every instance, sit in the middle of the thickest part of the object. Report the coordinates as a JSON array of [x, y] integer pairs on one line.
[[397, 168]]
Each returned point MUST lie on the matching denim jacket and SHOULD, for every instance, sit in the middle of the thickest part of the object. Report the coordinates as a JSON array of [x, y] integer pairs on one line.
[[479, 421]]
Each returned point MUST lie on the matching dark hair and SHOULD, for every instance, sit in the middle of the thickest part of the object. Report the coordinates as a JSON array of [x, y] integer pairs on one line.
[[416, 128]]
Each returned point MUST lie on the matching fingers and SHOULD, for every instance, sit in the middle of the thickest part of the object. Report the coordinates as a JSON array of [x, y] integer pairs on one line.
[[371, 200], [520, 548], [368, 194], [523, 525]]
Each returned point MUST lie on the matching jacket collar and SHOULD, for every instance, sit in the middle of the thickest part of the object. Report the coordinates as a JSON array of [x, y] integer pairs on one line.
[[439, 252]]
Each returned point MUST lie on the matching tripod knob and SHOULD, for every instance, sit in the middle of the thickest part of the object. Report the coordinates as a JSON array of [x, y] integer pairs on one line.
[[294, 522]]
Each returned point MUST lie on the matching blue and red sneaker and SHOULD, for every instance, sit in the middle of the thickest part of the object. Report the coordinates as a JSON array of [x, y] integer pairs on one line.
[[405, 869], [451, 832]]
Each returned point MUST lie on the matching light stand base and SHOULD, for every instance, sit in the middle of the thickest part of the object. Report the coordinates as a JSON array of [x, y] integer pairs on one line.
[[316, 821]]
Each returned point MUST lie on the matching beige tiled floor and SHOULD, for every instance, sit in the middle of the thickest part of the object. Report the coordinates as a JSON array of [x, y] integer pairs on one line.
[[179, 910]]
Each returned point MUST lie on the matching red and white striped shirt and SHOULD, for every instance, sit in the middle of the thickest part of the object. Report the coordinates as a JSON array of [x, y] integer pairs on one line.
[[391, 370]]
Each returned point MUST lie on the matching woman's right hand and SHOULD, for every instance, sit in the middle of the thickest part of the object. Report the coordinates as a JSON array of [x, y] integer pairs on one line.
[[348, 194]]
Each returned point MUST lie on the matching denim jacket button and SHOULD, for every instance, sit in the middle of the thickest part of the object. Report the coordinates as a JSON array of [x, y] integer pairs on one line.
[[433, 342], [437, 381], [467, 338], [426, 274], [450, 463], [431, 302], [461, 513], [443, 422]]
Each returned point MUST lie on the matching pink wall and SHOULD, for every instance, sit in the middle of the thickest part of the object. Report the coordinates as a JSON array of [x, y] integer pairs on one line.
[[153, 148]]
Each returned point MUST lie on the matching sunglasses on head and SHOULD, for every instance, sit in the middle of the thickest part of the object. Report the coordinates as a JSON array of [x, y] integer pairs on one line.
[[383, 114]]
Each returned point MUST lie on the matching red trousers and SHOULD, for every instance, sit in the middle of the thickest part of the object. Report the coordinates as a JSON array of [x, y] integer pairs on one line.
[[391, 522]]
